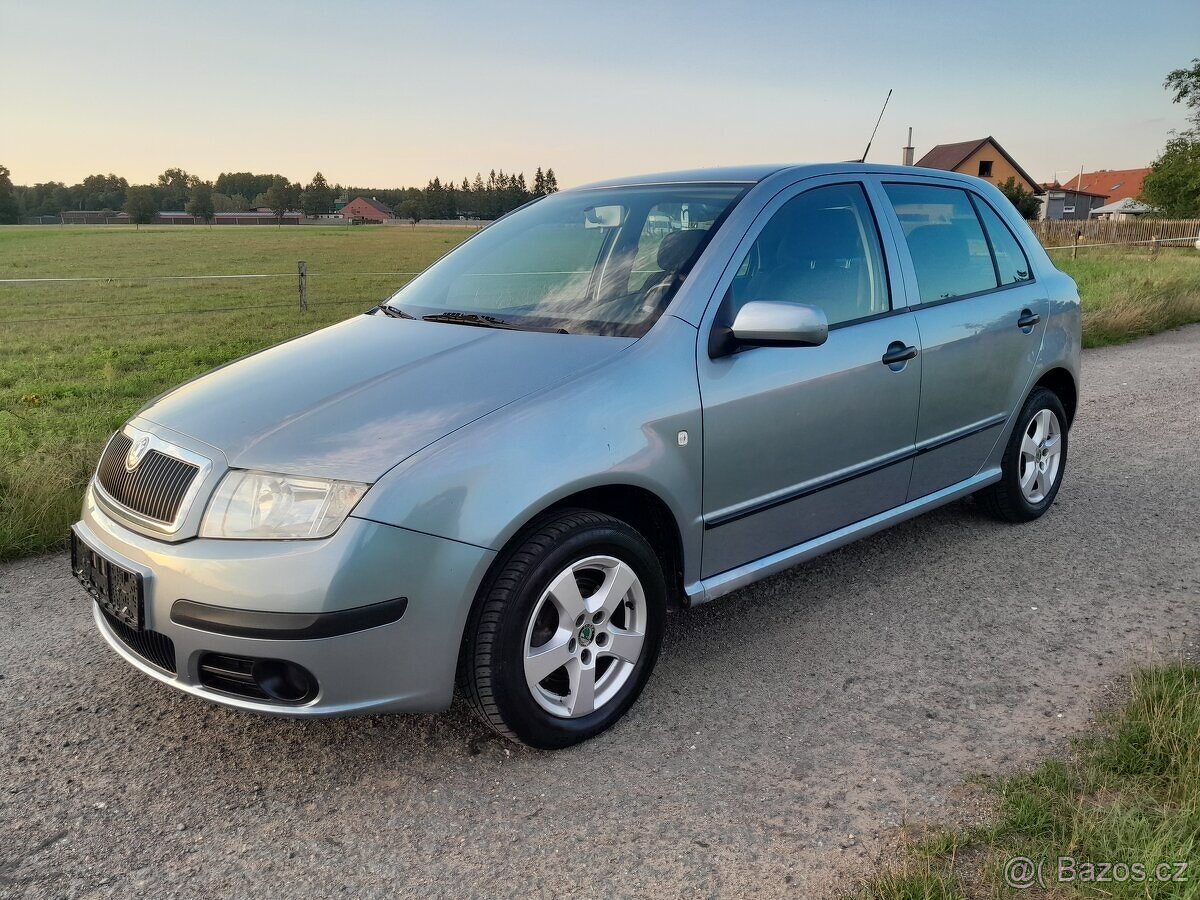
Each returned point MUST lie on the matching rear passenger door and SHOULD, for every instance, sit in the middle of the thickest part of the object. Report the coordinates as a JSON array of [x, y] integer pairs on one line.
[[981, 315]]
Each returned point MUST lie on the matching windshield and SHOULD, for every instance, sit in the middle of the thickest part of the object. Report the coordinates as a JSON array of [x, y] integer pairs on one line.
[[599, 262]]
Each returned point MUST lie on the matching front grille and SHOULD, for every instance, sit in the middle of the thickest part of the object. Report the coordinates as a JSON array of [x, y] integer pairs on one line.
[[156, 649], [154, 489]]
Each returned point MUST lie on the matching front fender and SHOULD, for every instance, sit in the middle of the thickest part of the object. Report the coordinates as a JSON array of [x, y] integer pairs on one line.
[[617, 424]]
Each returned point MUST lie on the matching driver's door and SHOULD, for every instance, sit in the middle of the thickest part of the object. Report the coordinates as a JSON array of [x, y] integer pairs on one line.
[[801, 441]]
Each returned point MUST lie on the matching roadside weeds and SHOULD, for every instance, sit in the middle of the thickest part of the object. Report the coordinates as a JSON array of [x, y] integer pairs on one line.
[[1118, 817]]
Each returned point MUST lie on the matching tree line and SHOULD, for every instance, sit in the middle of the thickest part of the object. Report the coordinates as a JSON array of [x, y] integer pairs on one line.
[[176, 190], [481, 198]]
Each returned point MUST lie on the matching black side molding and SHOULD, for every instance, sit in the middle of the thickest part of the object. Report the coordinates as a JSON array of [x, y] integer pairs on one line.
[[285, 626]]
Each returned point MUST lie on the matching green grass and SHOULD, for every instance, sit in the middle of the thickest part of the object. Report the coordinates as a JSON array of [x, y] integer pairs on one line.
[[99, 350], [1129, 794], [68, 382], [1127, 295]]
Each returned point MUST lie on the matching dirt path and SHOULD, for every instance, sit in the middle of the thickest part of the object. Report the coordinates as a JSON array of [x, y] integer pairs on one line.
[[833, 700]]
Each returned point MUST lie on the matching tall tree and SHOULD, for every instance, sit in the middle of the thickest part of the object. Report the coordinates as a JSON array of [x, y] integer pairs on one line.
[[281, 196], [1173, 184], [317, 199], [8, 200], [1026, 203], [1185, 85], [141, 204], [539, 183], [551, 182], [201, 205], [175, 189], [411, 210]]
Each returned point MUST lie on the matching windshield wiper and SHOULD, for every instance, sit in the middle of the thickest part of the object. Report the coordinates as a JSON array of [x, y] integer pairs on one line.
[[480, 320], [394, 312]]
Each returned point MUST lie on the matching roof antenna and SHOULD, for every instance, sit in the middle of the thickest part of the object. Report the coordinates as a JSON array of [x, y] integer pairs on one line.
[[877, 121]]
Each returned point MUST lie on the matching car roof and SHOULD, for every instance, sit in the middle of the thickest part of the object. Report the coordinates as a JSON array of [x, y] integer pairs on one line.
[[752, 174], [726, 174]]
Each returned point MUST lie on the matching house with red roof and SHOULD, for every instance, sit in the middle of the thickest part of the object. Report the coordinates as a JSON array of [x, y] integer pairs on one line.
[[367, 209], [1111, 184]]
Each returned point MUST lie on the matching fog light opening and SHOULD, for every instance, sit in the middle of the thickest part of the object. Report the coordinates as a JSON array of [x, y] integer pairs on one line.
[[283, 681]]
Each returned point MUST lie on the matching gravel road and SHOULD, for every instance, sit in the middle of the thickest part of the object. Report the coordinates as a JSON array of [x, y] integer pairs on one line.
[[788, 729]]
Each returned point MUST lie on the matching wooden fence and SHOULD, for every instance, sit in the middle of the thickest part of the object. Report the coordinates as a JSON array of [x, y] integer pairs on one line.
[[1061, 232]]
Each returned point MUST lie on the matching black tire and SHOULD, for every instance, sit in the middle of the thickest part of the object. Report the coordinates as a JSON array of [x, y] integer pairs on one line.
[[492, 674], [1005, 500]]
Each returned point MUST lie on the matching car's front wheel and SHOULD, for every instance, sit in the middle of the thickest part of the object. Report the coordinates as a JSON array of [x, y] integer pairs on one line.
[[568, 631]]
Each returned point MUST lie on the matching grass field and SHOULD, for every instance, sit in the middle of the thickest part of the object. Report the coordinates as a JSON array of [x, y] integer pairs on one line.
[[1128, 796], [77, 359], [73, 377], [1127, 295]]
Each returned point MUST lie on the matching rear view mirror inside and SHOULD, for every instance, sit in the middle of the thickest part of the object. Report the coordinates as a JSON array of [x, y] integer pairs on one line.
[[604, 216]]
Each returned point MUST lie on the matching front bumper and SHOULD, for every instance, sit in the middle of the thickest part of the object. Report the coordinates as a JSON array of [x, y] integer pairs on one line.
[[406, 665]]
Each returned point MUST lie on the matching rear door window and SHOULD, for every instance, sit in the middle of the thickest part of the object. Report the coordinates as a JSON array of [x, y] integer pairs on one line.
[[945, 239]]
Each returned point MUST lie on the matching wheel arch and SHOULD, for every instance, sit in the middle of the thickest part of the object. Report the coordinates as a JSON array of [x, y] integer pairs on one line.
[[646, 512], [639, 506], [1062, 383]]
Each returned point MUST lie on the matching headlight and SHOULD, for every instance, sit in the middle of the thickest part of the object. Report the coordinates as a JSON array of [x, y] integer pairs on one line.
[[260, 505]]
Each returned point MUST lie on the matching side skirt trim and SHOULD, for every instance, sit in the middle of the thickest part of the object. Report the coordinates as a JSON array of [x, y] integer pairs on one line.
[[733, 579]]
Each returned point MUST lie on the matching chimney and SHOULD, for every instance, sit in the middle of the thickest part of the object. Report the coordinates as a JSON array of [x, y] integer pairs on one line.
[[907, 158]]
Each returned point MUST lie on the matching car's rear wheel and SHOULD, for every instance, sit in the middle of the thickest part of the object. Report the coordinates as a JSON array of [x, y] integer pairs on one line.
[[1034, 461], [568, 631]]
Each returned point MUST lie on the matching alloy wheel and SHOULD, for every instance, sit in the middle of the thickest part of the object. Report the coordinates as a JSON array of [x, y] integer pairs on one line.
[[585, 636], [1041, 456]]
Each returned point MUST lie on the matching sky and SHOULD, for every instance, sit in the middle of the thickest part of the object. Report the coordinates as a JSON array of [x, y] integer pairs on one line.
[[377, 94]]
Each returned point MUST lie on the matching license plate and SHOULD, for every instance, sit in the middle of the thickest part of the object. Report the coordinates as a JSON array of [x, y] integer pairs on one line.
[[115, 588]]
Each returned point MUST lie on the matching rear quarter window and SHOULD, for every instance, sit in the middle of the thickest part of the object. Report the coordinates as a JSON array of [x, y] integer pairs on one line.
[[1011, 263]]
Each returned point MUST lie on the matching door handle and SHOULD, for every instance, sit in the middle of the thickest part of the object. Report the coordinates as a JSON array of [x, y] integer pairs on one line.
[[898, 352], [1028, 319]]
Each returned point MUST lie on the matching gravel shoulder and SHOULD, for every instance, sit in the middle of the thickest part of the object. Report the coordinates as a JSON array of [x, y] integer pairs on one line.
[[788, 729]]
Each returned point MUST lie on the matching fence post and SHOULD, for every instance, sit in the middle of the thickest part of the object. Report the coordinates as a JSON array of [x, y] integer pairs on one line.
[[1154, 248], [302, 271], [1075, 247]]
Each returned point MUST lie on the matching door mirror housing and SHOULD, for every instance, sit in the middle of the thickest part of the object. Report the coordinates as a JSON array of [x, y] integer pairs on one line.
[[773, 323]]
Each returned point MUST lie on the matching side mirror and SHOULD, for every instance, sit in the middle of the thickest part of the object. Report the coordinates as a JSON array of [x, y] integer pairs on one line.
[[774, 323]]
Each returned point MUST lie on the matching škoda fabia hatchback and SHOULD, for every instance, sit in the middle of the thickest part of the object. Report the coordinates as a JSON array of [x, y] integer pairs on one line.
[[645, 392]]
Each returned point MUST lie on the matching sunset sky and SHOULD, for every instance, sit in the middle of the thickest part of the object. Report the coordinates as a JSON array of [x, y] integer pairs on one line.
[[391, 94]]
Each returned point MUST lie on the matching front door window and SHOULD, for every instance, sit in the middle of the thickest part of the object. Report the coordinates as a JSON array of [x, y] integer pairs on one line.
[[822, 249]]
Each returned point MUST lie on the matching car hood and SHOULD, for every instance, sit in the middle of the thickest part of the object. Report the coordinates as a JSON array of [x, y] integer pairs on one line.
[[353, 400]]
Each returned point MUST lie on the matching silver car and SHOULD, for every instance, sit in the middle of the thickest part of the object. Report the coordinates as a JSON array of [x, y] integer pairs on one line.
[[641, 393]]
